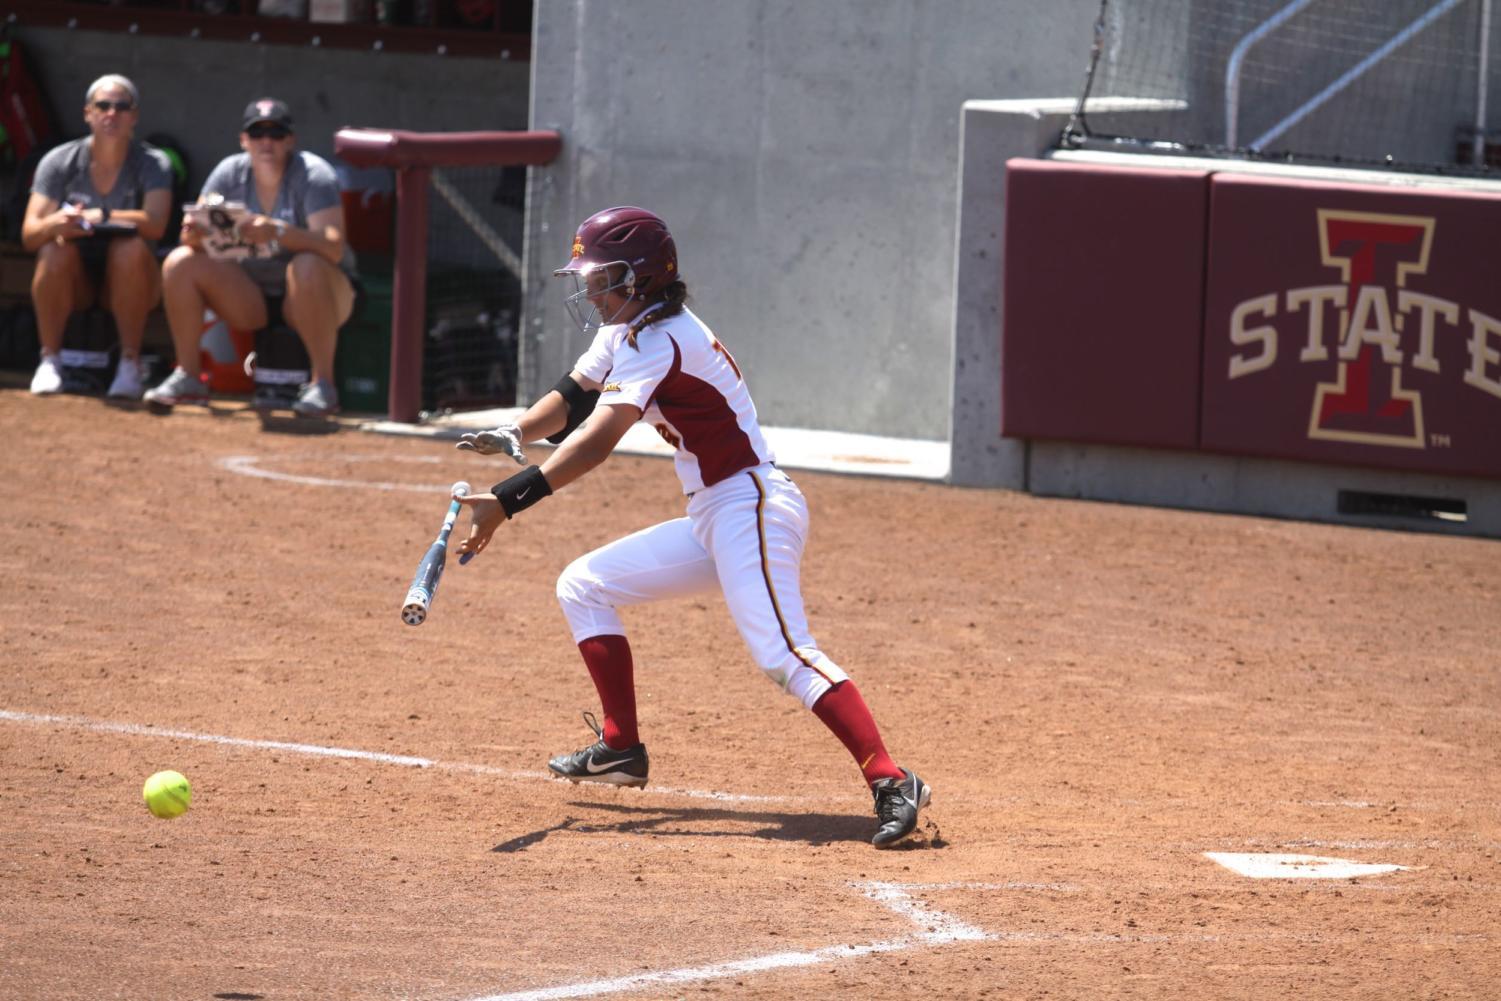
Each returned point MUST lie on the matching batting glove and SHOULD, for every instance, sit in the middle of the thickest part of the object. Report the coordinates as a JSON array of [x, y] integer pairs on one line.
[[504, 439]]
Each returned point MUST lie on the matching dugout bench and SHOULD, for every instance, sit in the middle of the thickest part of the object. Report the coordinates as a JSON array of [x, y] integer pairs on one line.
[[91, 345]]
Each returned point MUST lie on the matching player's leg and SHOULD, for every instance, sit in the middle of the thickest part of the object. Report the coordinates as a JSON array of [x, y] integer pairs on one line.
[[132, 288], [658, 562], [319, 301], [756, 533], [58, 287], [192, 282]]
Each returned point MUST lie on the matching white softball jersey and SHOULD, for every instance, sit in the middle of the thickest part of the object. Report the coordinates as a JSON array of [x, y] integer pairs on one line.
[[688, 388], [747, 521]]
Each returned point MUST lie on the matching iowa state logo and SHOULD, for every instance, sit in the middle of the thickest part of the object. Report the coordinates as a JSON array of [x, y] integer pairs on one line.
[[1373, 330]]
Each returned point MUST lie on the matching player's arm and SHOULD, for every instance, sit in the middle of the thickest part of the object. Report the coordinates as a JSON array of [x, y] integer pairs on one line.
[[554, 416], [579, 453], [324, 234], [150, 220], [46, 220], [561, 409], [590, 445]]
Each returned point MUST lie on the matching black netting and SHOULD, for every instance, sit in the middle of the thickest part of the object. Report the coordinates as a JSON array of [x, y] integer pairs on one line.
[[1364, 82], [473, 287]]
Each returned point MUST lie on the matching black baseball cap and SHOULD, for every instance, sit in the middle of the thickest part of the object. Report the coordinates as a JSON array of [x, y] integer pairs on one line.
[[266, 109]]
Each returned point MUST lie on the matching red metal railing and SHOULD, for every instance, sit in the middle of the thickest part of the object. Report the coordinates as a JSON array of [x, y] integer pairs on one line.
[[413, 155]]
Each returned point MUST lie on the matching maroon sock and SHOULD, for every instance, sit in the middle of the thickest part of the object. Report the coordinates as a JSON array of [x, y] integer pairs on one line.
[[844, 712], [609, 661]]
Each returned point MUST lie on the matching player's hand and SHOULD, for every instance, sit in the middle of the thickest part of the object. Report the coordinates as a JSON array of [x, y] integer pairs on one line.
[[69, 223], [485, 516], [190, 235], [257, 229], [504, 439]]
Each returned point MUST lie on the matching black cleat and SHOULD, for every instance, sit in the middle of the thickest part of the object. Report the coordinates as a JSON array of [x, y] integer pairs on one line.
[[601, 763], [897, 803]]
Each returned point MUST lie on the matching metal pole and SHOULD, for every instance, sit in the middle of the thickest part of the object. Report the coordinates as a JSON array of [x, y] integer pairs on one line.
[[409, 294], [1238, 58], [1314, 103], [1482, 88]]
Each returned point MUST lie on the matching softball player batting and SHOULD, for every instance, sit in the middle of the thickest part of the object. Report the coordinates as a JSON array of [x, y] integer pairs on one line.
[[652, 359]]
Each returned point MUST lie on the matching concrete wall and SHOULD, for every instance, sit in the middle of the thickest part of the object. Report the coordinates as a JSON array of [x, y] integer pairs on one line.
[[805, 156], [195, 89], [994, 132]]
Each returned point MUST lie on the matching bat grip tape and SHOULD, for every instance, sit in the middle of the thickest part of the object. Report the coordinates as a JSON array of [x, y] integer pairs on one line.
[[521, 491]]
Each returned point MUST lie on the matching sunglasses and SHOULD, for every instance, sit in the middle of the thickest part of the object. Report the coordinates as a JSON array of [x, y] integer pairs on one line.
[[268, 132], [106, 107]]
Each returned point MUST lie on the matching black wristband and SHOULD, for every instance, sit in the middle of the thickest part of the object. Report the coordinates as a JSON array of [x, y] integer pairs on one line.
[[104, 213], [522, 490]]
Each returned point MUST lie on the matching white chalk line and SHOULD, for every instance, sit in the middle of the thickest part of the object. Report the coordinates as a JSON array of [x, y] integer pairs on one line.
[[248, 465], [938, 929], [410, 761], [320, 751]]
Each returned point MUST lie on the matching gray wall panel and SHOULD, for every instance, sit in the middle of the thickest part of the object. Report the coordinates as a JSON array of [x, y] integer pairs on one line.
[[805, 156], [195, 89]]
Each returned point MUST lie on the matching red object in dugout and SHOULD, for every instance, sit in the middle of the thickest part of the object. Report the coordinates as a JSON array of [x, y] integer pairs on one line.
[[1104, 275], [221, 356], [1358, 325]]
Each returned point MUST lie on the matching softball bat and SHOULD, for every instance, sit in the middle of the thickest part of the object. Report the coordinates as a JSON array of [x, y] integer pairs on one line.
[[424, 587]]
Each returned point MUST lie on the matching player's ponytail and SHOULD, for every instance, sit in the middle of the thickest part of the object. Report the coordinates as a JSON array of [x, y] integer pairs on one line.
[[674, 295]]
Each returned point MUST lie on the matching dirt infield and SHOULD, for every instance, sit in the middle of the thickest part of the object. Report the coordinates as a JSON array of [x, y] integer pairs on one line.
[[1099, 695]]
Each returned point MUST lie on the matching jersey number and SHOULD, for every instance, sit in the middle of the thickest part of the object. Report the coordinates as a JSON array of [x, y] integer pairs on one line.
[[722, 350]]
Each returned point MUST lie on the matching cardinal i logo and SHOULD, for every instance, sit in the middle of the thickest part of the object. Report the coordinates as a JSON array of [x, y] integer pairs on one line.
[[1383, 329]]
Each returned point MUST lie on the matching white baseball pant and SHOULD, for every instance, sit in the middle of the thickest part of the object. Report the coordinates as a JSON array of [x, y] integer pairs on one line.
[[746, 534]]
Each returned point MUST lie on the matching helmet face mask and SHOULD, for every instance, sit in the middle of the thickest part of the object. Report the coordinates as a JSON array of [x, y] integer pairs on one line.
[[624, 250], [586, 303]]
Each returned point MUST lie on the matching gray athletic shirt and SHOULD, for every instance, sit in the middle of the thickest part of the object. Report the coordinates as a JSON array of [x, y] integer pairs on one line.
[[309, 185], [63, 175]]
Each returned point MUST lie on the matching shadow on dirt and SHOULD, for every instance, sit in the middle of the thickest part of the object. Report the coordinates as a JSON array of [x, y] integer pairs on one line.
[[707, 822]]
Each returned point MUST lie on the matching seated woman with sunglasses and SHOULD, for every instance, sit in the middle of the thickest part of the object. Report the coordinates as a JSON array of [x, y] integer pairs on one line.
[[295, 218], [97, 206]]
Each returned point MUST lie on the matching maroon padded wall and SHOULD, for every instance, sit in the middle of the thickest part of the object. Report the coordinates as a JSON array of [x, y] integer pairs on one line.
[[1103, 287], [1409, 379]]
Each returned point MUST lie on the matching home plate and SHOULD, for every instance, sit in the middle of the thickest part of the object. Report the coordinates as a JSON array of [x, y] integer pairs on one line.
[[1258, 865]]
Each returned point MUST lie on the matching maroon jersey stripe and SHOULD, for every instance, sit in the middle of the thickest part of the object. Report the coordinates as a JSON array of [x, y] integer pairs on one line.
[[705, 421]]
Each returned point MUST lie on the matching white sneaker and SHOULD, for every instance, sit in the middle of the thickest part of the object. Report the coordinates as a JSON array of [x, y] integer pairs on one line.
[[127, 384], [179, 387], [317, 399], [48, 378]]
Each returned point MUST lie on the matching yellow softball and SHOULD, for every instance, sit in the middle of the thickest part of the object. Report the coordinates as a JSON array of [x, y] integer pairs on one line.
[[167, 794]]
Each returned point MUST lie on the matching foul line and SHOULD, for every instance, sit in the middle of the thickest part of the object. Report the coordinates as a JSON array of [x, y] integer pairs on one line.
[[315, 750], [938, 929], [247, 465]]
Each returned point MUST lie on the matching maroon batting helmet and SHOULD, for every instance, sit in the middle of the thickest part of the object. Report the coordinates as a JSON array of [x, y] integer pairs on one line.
[[634, 238]]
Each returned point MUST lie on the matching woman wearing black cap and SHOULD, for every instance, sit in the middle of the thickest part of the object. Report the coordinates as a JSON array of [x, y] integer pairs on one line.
[[290, 244]]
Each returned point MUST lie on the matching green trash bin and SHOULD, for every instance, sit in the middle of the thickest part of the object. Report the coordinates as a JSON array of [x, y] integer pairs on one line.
[[362, 360]]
